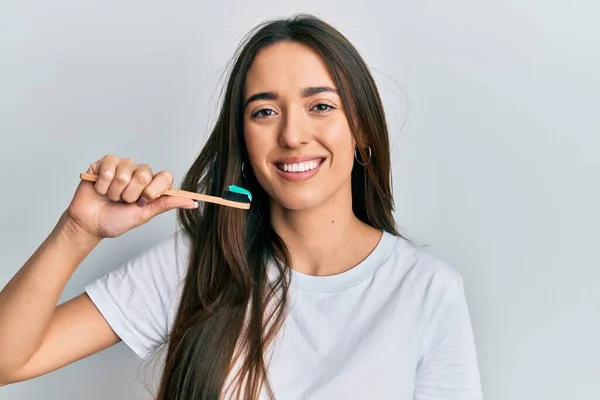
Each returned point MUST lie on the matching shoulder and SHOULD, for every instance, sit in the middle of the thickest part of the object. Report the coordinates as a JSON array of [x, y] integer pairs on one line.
[[139, 298], [423, 265], [168, 255], [431, 285], [153, 275], [422, 276]]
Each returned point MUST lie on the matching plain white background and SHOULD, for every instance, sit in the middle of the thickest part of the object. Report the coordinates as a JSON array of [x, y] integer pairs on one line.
[[496, 167]]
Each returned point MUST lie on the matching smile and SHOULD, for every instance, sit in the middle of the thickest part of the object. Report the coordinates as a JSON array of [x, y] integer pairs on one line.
[[299, 167], [298, 170]]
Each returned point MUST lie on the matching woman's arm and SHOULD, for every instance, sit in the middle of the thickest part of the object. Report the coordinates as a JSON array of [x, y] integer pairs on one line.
[[36, 336]]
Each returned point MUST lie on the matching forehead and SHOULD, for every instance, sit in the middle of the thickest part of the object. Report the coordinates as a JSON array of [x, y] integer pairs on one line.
[[287, 65]]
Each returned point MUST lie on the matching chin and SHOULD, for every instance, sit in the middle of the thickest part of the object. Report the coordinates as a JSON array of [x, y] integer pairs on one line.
[[298, 201]]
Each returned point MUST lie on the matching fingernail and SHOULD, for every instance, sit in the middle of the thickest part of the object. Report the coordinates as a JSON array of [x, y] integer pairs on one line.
[[142, 201], [194, 205]]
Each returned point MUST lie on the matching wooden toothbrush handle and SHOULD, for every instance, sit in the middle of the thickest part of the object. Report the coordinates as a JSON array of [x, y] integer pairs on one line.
[[183, 193]]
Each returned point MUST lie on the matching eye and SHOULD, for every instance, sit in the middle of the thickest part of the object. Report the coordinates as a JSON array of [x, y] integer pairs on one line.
[[322, 108], [263, 113]]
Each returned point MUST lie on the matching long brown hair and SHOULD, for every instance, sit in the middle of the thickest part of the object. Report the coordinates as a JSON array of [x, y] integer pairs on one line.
[[230, 309]]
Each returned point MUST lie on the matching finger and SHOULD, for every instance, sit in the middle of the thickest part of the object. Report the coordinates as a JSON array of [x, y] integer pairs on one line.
[[166, 203], [121, 179], [161, 182], [93, 168], [105, 169], [142, 176]]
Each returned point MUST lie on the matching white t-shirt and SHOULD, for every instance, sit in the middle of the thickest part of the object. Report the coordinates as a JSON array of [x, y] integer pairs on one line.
[[396, 326]]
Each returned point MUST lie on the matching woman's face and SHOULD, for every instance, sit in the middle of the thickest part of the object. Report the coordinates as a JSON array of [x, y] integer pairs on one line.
[[299, 142]]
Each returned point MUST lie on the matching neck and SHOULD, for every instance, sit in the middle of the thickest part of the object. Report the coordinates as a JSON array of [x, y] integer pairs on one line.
[[327, 239]]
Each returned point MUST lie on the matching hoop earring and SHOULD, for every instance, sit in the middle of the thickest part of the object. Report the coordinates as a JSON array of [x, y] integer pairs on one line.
[[369, 152], [244, 170]]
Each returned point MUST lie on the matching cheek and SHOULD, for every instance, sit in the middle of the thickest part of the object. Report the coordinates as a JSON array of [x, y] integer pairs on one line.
[[337, 137], [256, 144], [260, 143]]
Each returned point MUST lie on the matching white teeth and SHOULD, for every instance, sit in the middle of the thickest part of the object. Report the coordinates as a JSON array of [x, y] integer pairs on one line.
[[299, 167]]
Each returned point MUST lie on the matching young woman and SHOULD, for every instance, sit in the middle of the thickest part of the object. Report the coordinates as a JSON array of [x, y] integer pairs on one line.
[[310, 294]]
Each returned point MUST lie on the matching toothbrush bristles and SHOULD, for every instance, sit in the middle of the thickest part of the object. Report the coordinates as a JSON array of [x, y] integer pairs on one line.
[[237, 197]]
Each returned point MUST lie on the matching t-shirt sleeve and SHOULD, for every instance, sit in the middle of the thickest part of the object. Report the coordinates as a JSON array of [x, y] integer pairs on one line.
[[449, 368], [139, 299]]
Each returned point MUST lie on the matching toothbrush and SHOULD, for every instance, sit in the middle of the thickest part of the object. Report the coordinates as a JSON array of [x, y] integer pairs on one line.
[[235, 196]]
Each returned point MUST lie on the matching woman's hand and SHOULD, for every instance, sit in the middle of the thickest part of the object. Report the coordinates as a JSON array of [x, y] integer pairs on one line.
[[125, 195]]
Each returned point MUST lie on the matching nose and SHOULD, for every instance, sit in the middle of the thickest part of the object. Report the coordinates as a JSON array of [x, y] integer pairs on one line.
[[296, 130]]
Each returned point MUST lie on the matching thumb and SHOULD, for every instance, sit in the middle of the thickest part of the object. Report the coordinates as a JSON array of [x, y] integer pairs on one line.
[[166, 203]]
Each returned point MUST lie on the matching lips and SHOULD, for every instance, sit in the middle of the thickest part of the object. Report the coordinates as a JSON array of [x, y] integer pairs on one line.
[[296, 169]]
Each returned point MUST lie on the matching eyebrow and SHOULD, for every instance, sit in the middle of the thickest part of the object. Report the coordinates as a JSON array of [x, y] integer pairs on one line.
[[306, 92]]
